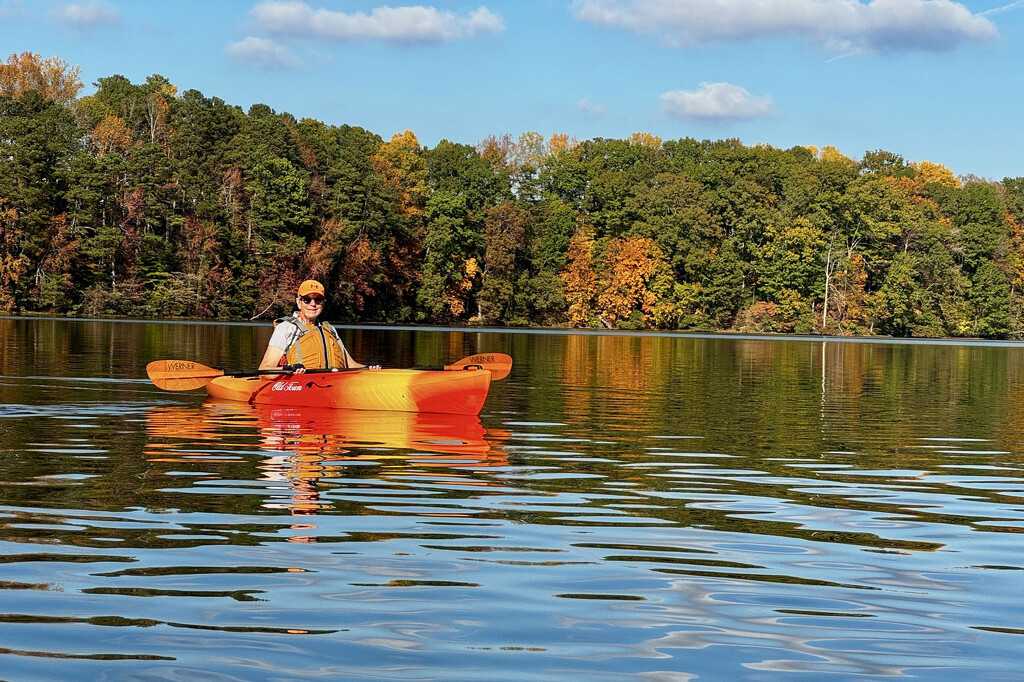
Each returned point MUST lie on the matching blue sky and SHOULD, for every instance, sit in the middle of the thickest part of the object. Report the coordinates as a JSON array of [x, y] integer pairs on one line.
[[932, 80]]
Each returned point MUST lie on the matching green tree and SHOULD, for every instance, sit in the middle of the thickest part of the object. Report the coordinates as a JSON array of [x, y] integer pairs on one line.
[[452, 241], [504, 231], [990, 297], [39, 142]]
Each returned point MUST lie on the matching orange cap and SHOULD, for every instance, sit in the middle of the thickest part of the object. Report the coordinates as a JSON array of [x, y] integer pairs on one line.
[[311, 286]]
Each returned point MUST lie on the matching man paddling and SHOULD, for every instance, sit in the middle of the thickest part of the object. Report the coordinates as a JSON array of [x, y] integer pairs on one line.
[[303, 341]]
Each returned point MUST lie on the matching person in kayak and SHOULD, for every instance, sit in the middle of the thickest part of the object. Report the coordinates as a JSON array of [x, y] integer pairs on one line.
[[303, 341]]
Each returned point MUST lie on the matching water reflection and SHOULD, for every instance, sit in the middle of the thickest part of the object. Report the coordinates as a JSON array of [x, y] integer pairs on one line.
[[309, 450], [323, 431], [648, 507]]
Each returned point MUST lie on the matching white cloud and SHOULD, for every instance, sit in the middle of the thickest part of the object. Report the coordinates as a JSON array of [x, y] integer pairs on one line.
[[86, 15], [261, 53], [716, 102], [1005, 8], [412, 24], [590, 109], [837, 25]]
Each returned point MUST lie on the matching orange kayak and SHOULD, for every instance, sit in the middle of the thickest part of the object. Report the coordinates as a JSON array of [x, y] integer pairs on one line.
[[401, 390]]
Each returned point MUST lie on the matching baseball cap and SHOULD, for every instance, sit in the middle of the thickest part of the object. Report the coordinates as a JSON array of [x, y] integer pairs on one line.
[[311, 286]]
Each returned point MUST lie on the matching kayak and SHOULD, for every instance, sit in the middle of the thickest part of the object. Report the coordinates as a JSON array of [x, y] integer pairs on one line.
[[402, 390], [458, 388]]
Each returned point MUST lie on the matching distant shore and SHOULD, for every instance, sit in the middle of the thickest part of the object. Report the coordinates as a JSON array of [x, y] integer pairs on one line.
[[681, 334]]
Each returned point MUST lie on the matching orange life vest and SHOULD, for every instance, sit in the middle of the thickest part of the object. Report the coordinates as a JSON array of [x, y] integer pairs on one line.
[[316, 347]]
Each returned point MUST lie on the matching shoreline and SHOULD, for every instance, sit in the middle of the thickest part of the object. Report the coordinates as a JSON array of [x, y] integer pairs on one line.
[[569, 331]]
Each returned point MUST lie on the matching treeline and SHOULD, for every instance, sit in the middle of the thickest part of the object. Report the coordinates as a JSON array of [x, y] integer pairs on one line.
[[141, 201]]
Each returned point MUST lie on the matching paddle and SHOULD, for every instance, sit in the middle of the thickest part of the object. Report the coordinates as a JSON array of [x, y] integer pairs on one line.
[[498, 364], [185, 375]]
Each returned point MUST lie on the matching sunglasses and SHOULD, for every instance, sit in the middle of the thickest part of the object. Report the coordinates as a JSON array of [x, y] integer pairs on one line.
[[318, 300]]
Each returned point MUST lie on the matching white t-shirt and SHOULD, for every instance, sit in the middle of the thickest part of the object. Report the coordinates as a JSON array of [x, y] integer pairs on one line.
[[284, 335]]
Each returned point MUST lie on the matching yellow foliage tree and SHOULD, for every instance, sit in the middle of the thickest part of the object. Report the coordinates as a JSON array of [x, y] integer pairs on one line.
[[53, 77], [645, 140], [558, 143], [157, 108], [1015, 255], [579, 277], [400, 163], [530, 149], [830, 154], [935, 172], [456, 294]]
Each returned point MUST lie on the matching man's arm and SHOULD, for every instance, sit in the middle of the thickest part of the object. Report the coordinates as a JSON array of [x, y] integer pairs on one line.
[[272, 360]]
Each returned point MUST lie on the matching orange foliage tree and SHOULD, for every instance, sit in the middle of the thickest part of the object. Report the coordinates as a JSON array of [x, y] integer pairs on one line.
[[499, 151], [110, 135], [13, 261], [361, 263], [156, 111], [324, 251], [54, 276], [202, 271], [53, 77], [849, 296]]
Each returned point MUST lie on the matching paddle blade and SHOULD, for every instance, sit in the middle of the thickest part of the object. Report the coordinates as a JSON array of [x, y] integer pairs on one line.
[[498, 364], [180, 375]]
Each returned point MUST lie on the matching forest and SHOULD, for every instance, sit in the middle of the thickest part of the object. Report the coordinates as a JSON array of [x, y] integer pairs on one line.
[[143, 201]]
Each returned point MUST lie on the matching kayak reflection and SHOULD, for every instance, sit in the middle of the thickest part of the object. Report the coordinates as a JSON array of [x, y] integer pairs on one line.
[[325, 431], [309, 448]]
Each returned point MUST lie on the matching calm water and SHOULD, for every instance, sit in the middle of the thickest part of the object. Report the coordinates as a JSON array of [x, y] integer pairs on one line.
[[648, 507]]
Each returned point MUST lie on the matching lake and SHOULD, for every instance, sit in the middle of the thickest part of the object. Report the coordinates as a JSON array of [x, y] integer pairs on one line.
[[659, 507]]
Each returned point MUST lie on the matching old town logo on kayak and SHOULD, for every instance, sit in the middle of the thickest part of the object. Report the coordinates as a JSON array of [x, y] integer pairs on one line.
[[286, 386]]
